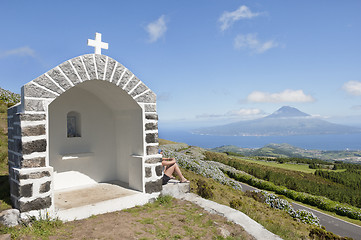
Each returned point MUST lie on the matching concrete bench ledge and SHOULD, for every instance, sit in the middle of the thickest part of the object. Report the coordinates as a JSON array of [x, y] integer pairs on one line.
[[175, 189]]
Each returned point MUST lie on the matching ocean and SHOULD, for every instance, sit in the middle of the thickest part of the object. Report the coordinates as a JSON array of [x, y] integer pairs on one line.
[[320, 142]]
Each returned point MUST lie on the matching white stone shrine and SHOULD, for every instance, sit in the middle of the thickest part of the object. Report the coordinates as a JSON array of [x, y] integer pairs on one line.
[[87, 122]]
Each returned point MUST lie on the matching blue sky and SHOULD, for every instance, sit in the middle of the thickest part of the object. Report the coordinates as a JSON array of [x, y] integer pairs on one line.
[[209, 62]]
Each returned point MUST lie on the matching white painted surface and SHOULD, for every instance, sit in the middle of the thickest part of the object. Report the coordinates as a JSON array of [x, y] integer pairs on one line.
[[111, 128], [104, 207], [97, 43]]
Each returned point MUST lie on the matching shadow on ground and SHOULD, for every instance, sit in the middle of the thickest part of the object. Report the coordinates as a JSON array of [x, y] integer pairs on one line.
[[4, 192]]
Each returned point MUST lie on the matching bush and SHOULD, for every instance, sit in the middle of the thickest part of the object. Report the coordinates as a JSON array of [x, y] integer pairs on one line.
[[319, 233], [204, 190], [235, 203], [274, 201]]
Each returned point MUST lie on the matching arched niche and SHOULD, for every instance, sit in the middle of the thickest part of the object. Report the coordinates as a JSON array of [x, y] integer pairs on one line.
[[110, 126]]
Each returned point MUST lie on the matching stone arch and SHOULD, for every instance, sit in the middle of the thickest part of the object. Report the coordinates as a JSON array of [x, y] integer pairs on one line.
[[28, 124]]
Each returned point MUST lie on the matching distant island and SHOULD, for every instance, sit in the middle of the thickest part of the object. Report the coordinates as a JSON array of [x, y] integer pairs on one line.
[[286, 121]]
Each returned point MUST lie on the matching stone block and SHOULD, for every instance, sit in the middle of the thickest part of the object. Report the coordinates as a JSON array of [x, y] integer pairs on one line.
[[152, 150], [11, 133], [100, 61], [33, 162], [151, 126], [46, 82], [153, 160], [151, 116], [11, 111], [10, 121], [35, 175], [69, 72], [148, 172], [110, 68], [30, 90], [59, 78], [150, 107], [17, 130], [26, 190], [10, 218], [78, 65], [159, 170], [18, 145], [17, 161], [132, 83], [36, 204], [175, 189], [33, 130], [45, 187], [34, 146], [127, 75], [5, 236], [90, 66], [32, 117], [118, 73], [151, 187], [148, 97], [14, 188], [151, 138], [34, 105], [141, 88], [16, 117], [11, 145]]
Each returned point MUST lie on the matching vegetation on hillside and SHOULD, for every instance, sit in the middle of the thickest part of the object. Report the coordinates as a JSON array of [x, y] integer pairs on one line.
[[286, 151], [272, 219], [294, 180], [8, 97]]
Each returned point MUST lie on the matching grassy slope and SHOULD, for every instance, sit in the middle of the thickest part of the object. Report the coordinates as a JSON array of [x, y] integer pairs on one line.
[[288, 166], [4, 174], [276, 221]]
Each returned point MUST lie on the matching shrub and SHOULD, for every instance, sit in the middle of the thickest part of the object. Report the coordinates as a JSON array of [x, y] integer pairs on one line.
[[235, 203], [320, 233], [274, 201], [204, 190]]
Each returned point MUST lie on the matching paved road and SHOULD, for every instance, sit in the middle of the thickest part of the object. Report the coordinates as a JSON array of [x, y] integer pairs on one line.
[[332, 224]]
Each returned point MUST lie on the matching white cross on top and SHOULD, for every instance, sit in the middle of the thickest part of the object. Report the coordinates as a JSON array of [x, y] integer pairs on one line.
[[97, 43]]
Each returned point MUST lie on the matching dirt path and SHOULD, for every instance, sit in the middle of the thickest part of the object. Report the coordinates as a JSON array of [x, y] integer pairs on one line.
[[175, 220]]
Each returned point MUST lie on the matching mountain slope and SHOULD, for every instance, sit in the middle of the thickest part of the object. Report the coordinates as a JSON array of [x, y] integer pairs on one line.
[[284, 122]]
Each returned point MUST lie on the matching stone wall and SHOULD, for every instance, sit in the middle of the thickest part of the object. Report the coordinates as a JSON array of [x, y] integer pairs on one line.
[[31, 176]]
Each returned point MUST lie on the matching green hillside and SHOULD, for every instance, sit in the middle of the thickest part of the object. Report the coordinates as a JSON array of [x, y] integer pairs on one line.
[[288, 151], [7, 99]]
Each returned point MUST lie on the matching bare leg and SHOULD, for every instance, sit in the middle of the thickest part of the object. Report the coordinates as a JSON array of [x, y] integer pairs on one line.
[[174, 168]]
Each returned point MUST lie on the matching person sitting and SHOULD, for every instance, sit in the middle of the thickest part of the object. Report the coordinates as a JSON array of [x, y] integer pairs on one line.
[[170, 166]]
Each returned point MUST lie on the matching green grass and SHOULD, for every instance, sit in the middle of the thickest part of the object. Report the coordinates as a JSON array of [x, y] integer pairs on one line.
[[39, 229], [4, 171], [294, 167], [164, 142], [288, 166]]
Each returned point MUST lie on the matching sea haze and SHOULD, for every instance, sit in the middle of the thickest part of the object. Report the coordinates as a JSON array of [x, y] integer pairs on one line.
[[321, 142]]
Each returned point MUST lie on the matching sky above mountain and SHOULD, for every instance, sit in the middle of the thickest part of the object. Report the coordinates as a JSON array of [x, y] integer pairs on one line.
[[209, 62]]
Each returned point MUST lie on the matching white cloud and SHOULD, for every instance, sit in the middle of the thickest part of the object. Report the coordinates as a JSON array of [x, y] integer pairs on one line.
[[22, 52], [156, 29], [251, 41], [287, 95], [353, 88], [228, 18], [245, 112], [240, 113]]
